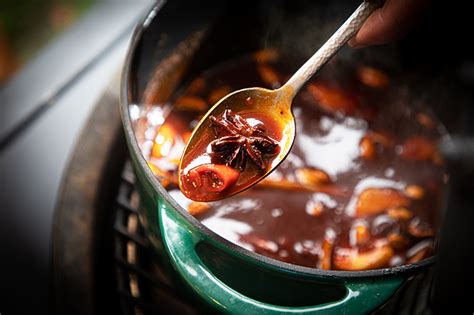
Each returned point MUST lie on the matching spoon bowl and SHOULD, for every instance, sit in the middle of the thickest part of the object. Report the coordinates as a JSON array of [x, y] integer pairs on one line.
[[274, 104]]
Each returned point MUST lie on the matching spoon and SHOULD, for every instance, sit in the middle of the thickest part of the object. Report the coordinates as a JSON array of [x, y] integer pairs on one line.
[[274, 103]]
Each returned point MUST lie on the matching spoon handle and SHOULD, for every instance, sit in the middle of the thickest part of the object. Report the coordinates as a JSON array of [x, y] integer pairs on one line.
[[333, 44]]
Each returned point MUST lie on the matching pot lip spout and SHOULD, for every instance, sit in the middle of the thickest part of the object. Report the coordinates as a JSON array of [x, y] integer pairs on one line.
[[125, 97]]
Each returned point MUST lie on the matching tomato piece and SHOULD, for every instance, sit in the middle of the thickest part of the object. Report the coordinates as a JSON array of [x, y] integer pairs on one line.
[[418, 148], [203, 182], [367, 148], [333, 99], [373, 77], [353, 259], [375, 200]]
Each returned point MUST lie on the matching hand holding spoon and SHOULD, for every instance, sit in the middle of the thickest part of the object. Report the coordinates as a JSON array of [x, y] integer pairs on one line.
[[249, 132]]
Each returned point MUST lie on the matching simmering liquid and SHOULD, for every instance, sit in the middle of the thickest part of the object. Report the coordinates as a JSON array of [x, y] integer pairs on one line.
[[361, 189]]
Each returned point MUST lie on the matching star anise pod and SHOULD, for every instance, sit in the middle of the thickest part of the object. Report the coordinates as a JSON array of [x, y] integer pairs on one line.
[[238, 141]]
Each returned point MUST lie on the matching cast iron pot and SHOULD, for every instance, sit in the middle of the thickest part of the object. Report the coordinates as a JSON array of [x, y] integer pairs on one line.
[[176, 40]]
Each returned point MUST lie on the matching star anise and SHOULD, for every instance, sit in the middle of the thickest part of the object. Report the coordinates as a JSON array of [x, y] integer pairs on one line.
[[240, 142]]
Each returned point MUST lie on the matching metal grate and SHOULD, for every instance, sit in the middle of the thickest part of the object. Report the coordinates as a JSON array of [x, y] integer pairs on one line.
[[141, 283]]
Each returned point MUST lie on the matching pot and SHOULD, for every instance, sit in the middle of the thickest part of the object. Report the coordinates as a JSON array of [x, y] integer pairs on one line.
[[169, 44]]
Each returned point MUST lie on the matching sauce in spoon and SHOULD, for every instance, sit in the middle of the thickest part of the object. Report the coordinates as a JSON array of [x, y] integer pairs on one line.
[[236, 151]]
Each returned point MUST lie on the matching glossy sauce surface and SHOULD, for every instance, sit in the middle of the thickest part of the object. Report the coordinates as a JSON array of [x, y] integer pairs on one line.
[[361, 189]]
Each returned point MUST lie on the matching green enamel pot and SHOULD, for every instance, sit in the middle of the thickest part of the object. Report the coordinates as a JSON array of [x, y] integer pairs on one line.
[[214, 272]]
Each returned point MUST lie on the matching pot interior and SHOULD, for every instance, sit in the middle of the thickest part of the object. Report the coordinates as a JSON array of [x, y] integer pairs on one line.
[[167, 55]]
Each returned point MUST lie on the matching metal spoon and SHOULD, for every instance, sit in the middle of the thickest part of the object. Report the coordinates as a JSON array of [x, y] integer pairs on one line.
[[277, 103]]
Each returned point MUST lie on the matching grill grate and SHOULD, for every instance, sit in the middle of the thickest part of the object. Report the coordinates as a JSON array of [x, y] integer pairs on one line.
[[141, 284]]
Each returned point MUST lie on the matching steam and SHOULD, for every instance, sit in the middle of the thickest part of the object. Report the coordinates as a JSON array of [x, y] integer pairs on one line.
[[301, 27]]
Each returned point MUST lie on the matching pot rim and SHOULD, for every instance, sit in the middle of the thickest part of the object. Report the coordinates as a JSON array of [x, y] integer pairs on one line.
[[132, 141]]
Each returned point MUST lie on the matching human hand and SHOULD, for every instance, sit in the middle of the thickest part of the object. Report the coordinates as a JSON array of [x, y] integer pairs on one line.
[[389, 23]]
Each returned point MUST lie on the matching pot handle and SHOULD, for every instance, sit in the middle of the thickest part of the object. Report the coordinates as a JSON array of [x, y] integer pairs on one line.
[[180, 240]]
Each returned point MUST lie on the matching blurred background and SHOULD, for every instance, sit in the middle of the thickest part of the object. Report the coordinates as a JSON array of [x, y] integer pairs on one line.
[[57, 59], [28, 26]]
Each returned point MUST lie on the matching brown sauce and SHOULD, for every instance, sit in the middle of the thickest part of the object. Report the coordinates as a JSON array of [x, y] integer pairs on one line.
[[361, 188]]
